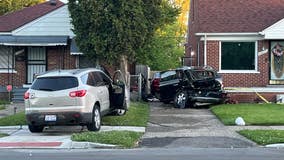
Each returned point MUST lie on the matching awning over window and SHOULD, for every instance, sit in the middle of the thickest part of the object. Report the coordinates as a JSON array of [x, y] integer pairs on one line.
[[74, 49], [8, 40]]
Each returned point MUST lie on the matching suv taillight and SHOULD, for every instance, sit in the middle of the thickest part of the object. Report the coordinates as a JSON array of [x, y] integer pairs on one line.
[[27, 95], [80, 93], [156, 83]]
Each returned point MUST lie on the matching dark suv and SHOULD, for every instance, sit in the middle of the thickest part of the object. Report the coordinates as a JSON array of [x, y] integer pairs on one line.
[[188, 85]]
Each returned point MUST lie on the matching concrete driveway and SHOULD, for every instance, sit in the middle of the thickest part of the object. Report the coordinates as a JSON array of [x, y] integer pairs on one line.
[[171, 127]]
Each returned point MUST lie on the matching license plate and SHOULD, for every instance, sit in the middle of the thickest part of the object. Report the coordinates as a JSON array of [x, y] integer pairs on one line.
[[50, 118]]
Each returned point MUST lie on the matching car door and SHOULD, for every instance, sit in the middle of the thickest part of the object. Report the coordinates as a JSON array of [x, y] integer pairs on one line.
[[118, 96], [169, 84], [103, 90]]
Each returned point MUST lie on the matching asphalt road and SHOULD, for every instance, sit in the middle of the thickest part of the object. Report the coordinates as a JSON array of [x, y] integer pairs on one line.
[[147, 154]]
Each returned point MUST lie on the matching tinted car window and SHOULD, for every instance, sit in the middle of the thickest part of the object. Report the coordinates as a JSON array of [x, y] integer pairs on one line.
[[91, 79], [54, 83], [169, 75], [106, 79], [98, 78]]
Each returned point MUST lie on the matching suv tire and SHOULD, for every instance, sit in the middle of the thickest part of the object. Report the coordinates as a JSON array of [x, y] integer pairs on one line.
[[36, 129], [181, 99], [95, 124]]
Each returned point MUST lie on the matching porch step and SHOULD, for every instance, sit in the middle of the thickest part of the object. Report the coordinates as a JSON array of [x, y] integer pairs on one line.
[[18, 94], [275, 86]]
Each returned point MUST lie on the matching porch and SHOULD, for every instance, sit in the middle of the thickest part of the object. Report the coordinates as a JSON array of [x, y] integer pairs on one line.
[[271, 93]]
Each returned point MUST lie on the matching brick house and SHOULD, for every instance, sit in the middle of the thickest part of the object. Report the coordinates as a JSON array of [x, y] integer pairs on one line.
[[34, 40], [242, 40]]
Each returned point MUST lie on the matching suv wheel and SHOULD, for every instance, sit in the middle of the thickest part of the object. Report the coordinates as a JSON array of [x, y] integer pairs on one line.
[[95, 124], [35, 129], [181, 99]]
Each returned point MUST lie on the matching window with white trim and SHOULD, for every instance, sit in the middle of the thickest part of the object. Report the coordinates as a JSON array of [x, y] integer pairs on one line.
[[7, 60], [237, 56]]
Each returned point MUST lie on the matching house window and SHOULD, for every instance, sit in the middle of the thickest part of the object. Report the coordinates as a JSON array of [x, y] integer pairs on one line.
[[7, 60], [238, 56]]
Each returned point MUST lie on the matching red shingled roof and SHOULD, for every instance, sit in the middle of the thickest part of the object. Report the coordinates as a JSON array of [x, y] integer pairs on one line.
[[14, 20], [219, 16]]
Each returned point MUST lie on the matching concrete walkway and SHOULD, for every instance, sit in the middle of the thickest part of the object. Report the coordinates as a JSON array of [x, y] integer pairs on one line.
[[198, 128]]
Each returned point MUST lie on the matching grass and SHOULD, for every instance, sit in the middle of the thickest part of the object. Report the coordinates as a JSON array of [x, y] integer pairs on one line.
[[2, 107], [13, 120], [253, 114], [137, 115], [264, 137], [3, 135], [125, 139], [2, 104]]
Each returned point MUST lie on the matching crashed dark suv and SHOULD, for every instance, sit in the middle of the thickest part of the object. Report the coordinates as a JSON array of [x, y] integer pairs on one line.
[[188, 86]]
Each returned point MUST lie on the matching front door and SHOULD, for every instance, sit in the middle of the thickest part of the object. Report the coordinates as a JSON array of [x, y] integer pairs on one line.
[[277, 62], [36, 63]]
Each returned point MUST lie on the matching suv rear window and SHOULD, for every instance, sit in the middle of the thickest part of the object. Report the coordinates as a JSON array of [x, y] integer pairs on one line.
[[168, 75], [54, 83]]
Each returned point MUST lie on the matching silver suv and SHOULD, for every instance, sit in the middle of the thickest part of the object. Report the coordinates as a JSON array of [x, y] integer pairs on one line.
[[73, 97]]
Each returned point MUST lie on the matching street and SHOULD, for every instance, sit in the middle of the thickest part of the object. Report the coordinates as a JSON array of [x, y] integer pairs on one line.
[[151, 154]]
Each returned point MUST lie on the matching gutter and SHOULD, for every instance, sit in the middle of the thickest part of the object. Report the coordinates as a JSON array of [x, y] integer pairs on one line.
[[205, 49], [229, 34]]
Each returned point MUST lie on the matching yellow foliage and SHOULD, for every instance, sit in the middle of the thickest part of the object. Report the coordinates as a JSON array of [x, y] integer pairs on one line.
[[183, 17]]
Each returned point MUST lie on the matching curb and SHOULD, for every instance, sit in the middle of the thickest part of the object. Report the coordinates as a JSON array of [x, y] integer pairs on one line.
[[89, 145], [278, 145]]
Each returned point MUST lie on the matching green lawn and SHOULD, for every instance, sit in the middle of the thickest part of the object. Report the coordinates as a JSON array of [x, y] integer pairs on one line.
[[253, 114], [264, 137], [13, 120], [3, 135], [2, 107], [137, 115], [125, 139], [2, 104]]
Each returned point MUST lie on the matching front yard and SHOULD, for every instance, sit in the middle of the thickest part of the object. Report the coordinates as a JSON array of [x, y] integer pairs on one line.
[[254, 114], [137, 115]]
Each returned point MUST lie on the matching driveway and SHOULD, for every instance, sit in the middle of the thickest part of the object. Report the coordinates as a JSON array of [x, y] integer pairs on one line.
[[198, 128]]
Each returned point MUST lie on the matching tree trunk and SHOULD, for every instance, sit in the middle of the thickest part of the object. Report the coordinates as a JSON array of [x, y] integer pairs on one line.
[[126, 74]]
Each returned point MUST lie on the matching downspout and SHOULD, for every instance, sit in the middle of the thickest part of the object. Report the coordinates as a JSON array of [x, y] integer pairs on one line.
[[205, 49], [198, 56]]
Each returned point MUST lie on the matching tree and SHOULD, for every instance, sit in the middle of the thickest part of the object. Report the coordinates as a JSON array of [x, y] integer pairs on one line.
[[165, 49], [114, 30], [7, 6]]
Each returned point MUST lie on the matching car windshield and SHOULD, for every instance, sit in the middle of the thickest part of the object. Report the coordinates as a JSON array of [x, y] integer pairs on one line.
[[54, 83]]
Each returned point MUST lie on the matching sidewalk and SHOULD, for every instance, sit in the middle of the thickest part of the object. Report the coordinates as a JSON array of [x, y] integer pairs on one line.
[[56, 137]]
